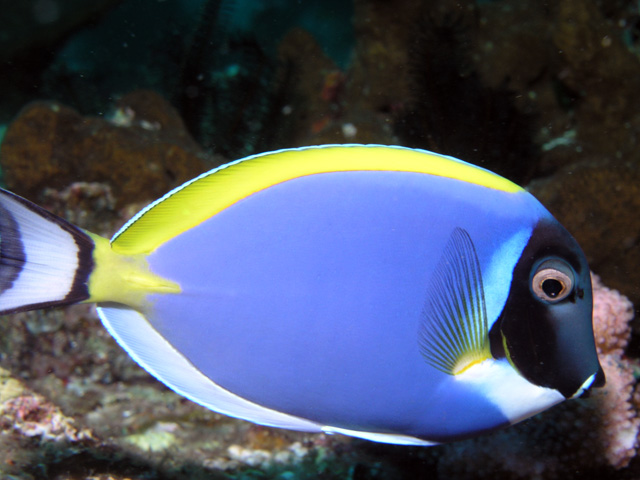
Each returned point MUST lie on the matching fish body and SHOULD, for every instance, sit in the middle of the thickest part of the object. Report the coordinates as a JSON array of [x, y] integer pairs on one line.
[[381, 292]]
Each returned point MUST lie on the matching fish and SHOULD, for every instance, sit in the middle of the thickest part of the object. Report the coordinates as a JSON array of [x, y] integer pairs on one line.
[[382, 292]]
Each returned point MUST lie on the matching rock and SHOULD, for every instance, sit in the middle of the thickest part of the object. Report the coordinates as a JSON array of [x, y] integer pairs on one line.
[[141, 151]]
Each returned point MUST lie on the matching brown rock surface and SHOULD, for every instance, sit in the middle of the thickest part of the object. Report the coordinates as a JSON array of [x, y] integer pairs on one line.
[[142, 151]]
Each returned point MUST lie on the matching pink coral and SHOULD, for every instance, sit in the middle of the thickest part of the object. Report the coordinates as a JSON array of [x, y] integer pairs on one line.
[[32, 415], [612, 313], [618, 432]]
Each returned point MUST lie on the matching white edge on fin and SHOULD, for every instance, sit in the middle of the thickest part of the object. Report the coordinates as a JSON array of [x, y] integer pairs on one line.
[[149, 349], [380, 437]]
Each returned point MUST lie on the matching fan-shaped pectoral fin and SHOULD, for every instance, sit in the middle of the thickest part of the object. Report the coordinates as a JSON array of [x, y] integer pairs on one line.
[[453, 330]]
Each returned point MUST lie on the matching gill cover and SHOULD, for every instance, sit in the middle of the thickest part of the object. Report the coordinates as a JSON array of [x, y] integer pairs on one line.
[[545, 329]]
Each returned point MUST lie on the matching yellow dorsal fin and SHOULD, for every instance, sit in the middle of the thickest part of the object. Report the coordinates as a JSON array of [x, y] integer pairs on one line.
[[201, 198]]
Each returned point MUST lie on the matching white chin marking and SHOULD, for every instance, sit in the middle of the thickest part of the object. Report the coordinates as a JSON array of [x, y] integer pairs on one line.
[[584, 386], [515, 396]]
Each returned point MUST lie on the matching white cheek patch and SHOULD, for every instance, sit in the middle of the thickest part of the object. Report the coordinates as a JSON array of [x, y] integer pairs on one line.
[[517, 398]]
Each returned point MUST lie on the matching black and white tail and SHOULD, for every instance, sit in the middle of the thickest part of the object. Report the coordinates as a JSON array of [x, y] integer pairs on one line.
[[44, 260]]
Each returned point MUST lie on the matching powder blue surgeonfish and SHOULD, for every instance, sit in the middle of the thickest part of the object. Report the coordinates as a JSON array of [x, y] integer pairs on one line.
[[387, 293]]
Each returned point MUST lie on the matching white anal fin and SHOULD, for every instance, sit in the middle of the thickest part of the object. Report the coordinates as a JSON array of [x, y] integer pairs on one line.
[[150, 350], [156, 355], [381, 437]]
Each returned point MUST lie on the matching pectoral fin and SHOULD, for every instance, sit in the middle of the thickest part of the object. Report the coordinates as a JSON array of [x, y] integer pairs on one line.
[[453, 333]]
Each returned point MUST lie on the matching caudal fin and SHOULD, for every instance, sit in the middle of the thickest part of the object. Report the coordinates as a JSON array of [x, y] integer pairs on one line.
[[44, 260]]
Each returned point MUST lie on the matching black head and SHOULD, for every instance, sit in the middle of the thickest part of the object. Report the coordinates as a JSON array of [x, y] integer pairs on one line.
[[545, 328]]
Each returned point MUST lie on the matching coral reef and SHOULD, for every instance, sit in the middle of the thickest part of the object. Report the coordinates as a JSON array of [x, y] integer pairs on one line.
[[612, 313], [31, 415], [51, 145], [83, 203]]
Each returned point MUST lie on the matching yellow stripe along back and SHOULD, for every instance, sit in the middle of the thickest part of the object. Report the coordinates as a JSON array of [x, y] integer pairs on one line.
[[194, 202]]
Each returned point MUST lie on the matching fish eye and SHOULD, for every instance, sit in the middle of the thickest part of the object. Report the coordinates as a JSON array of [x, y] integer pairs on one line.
[[553, 280]]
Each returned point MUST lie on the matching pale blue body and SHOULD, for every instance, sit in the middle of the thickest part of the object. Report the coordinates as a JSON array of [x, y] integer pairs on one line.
[[351, 289], [307, 297]]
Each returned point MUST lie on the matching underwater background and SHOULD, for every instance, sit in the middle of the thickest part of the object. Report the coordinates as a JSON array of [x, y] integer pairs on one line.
[[108, 104]]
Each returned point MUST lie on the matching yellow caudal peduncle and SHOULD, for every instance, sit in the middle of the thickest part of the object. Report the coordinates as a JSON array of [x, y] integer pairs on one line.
[[122, 278]]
